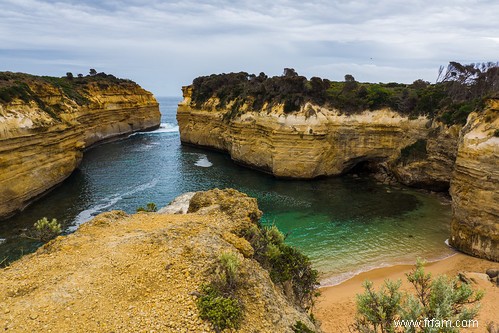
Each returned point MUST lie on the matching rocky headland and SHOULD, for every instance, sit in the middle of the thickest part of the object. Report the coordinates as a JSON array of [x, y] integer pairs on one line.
[[144, 272], [46, 123], [421, 135]]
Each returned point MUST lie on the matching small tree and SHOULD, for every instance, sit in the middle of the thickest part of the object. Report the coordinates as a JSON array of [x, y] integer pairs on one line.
[[92, 72], [69, 75], [440, 299], [150, 207], [44, 230]]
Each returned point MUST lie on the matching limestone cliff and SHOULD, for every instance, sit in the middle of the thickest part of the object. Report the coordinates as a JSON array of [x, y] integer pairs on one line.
[[141, 273], [475, 186], [314, 141], [46, 123], [311, 140]]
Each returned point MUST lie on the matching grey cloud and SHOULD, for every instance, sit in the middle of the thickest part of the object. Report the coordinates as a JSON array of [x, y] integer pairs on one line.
[[164, 44]]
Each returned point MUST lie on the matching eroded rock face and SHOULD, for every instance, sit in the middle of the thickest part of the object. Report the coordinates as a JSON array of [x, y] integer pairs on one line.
[[39, 149], [475, 186], [312, 142], [428, 164], [141, 272]]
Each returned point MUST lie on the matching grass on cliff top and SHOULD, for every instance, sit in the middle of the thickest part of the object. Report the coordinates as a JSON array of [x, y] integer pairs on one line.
[[459, 90], [18, 86]]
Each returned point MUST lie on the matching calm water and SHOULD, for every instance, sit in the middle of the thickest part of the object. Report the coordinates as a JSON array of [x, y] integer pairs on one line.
[[345, 225]]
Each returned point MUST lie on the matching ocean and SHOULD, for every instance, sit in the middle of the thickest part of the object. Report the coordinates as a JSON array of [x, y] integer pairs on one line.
[[346, 224]]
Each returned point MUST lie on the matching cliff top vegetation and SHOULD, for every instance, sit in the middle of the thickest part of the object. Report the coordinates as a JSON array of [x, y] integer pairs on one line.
[[23, 86], [459, 90]]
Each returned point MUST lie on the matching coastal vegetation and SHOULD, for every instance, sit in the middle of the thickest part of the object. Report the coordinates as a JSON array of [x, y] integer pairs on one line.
[[150, 207], [435, 301], [218, 302], [44, 230], [287, 266], [459, 90], [24, 87]]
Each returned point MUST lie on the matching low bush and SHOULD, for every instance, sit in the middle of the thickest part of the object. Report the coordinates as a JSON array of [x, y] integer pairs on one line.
[[44, 230], [150, 207], [222, 311], [228, 272], [285, 264], [441, 299], [300, 327]]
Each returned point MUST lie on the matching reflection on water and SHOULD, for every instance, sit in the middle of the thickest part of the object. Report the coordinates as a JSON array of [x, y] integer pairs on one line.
[[344, 224]]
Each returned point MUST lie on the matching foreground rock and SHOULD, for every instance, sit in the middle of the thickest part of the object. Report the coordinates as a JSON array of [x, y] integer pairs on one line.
[[46, 123], [138, 273]]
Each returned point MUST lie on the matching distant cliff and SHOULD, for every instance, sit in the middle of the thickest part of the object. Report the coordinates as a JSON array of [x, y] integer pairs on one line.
[[292, 127], [47, 122]]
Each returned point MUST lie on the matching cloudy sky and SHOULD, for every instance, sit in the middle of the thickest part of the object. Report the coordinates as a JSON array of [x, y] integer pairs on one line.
[[163, 45]]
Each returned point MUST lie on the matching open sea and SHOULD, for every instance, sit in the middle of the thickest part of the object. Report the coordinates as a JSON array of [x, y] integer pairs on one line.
[[345, 224]]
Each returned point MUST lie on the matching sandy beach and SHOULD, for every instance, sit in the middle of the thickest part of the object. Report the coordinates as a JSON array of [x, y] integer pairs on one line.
[[336, 308]]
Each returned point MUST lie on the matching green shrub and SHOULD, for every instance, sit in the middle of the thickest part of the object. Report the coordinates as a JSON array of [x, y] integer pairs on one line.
[[44, 230], [300, 327], [284, 263], [150, 207], [222, 311], [439, 299], [228, 271], [416, 151], [496, 133]]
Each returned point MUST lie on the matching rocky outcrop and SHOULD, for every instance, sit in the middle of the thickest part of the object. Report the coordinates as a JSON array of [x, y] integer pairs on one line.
[[312, 142], [475, 186], [42, 136], [137, 273]]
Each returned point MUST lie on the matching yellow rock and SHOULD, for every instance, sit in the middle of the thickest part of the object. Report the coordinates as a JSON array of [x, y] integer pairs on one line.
[[39, 150], [475, 186]]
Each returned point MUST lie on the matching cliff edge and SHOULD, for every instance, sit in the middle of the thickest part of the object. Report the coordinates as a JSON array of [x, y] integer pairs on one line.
[[143, 272], [47, 122]]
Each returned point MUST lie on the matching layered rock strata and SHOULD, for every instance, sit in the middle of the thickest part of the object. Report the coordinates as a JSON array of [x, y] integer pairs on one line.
[[42, 140], [475, 186], [316, 141], [138, 273], [313, 142]]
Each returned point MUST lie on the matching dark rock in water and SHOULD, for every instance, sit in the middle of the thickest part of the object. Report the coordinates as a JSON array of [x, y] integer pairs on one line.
[[492, 273]]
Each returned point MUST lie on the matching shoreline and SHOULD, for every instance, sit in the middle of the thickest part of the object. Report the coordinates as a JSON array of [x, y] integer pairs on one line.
[[335, 280], [336, 307]]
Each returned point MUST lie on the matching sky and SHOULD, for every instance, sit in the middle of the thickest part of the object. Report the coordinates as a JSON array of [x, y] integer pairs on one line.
[[163, 45]]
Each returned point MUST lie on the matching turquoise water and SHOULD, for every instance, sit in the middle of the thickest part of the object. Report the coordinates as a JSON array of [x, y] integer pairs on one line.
[[345, 224]]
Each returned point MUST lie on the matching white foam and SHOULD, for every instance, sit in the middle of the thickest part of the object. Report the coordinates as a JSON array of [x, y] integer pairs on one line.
[[163, 128], [203, 162], [107, 202]]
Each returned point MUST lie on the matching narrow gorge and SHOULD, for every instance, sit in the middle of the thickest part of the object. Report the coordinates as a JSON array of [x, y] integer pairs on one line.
[[46, 123], [291, 127]]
